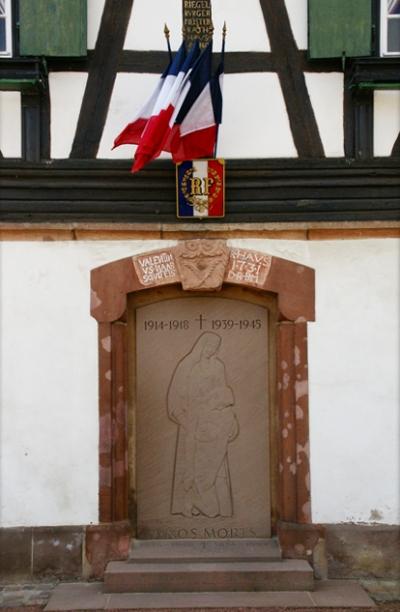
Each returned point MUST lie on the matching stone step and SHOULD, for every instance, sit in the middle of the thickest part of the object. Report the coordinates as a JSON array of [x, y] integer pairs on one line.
[[188, 550], [327, 594], [208, 576]]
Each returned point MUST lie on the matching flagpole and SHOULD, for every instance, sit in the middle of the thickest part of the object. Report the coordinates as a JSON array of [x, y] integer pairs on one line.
[[166, 32], [224, 31]]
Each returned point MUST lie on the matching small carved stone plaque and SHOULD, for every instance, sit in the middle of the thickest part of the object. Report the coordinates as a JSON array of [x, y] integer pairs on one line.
[[156, 268], [197, 21], [248, 267], [202, 419]]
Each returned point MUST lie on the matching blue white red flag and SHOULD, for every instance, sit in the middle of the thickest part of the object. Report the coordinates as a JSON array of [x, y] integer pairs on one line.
[[156, 128], [151, 141], [200, 188], [184, 112], [132, 133], [198, 113]]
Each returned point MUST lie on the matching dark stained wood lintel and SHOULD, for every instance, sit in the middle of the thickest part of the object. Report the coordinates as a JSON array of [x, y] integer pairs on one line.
[[258, 191], [154, 62]]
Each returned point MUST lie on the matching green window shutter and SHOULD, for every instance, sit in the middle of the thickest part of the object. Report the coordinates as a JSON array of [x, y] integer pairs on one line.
[[337, 27], [53, 27]]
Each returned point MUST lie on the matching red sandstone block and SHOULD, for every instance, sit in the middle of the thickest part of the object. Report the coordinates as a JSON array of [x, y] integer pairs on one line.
[[288, 575]]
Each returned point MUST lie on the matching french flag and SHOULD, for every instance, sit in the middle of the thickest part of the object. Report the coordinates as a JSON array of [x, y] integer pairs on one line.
[[157, 128], [132, 133], [156, 124], [198, 113]]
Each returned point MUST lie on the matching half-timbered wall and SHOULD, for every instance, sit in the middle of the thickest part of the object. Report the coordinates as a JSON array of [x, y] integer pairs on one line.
[[277, 103]]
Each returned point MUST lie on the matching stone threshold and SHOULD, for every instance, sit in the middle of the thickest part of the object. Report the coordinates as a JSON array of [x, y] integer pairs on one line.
[[326, 594]]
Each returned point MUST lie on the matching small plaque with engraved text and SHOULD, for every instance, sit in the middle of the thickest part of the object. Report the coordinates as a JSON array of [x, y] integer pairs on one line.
[[197, 21]]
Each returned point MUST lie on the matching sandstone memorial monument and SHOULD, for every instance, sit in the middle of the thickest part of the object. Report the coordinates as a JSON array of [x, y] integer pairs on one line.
[[199, 234], [204, 415]]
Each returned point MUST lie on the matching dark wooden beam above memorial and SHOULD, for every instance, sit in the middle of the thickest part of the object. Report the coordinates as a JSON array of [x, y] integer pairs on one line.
[[258, 191]]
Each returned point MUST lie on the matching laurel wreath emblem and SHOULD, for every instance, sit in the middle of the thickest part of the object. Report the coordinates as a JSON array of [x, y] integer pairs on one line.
[[201, 204]]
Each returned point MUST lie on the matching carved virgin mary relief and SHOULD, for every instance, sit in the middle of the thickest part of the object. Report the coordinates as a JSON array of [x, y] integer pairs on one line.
[[201, 404], [202, 453]]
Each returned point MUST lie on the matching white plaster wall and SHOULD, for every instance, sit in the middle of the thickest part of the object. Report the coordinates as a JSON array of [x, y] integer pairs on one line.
[[354, 370], [386, 121], [66, 94], [326, 95], [10, 123], [94, 13], [354, 375], [255, 121], [297, 11], [246, 28], [146, 26], [49, 378], [48, 382]]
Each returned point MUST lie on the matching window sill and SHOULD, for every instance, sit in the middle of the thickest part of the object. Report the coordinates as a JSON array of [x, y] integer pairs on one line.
[[18, 74], [376, 73]]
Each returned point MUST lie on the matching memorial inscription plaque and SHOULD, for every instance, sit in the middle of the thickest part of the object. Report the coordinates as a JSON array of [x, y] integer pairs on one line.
[[202, 445], [197, 21]]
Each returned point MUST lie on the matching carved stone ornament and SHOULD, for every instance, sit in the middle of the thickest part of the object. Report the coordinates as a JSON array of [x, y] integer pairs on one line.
[[202, 264]]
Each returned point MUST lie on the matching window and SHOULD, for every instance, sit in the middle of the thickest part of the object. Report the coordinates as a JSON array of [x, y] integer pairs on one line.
[[390, 27], [5, 28]]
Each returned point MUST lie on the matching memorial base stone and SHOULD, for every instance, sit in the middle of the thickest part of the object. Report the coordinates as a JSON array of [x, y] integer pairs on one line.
[[207, 566]]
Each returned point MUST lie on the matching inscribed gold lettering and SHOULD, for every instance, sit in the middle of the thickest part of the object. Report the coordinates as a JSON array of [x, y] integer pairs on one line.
[[197, 21]]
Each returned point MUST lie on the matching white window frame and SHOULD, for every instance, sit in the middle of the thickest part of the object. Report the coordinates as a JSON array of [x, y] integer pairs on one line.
[[8, 50], [384, 31]]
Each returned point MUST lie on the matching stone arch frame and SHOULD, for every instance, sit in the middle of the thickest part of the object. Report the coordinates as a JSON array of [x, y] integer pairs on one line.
[[202, 266]]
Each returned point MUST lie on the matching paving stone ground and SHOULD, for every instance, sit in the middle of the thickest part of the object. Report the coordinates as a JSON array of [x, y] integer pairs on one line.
[[34, 597], [29, 597]]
